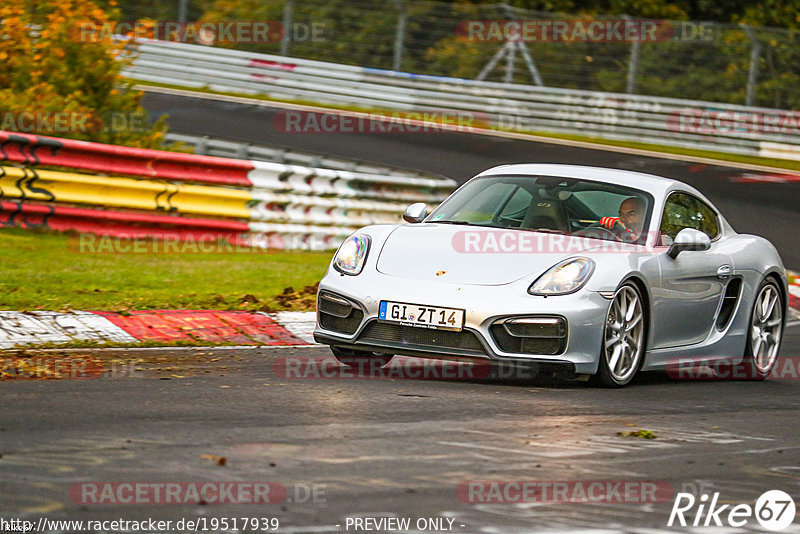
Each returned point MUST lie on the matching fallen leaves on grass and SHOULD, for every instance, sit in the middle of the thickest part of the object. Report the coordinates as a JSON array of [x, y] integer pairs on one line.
[[249, 299], [302, 300]]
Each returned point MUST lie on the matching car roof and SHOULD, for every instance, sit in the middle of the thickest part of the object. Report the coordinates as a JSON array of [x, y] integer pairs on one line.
[[655, 185]]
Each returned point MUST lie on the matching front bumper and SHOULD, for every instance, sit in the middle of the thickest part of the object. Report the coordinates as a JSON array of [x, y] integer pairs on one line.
[[582, 313]]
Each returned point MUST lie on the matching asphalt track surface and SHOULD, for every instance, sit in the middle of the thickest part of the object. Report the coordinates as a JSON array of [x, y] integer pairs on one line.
[[401, 447], [386, 447]]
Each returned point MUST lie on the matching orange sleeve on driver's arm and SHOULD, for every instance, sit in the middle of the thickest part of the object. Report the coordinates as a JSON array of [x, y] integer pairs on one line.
[[609, 222]]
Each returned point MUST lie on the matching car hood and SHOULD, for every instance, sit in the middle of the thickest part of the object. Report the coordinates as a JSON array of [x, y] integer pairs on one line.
[[474, 255]]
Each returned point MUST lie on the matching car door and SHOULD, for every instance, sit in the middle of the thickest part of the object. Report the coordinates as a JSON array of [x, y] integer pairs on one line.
[[687, 299]]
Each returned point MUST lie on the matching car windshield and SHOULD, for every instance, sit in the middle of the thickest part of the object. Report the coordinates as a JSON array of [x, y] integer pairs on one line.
[[569, 206]]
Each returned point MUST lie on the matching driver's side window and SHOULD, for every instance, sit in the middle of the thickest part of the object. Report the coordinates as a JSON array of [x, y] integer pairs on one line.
[[683, 210]]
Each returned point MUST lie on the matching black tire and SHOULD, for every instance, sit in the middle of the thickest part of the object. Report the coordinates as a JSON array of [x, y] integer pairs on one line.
[[753, 365], [622, 331], [361, 359]]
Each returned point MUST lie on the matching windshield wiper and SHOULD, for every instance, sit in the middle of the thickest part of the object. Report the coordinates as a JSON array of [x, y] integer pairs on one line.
[[464, 223]]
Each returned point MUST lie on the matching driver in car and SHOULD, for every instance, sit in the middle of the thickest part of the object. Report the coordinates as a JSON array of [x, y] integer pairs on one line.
[[630, 220]]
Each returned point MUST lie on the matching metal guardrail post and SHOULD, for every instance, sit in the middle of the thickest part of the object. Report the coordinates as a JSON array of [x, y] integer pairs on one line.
[[752, 74], [288, 14], [183, 6], [511, 59], [201, 148], [537, 79], [510, 48], [492, 62], [400, 34], [633, 65]]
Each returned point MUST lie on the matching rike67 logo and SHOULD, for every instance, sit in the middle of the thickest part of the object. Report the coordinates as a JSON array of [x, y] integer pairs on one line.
[[774, 510]]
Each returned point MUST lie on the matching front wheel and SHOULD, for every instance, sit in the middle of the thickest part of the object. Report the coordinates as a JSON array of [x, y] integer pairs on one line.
[[764, 334], [623, 340], [361, 359]]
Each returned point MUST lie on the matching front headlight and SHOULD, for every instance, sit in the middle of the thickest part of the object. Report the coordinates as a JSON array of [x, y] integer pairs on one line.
[[566, 277], [351, 255]]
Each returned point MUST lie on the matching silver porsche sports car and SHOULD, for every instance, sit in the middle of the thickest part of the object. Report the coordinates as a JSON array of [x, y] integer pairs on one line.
[[588, 270]]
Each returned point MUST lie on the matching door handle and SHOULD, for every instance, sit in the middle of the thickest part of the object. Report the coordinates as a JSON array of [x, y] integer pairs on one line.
[[724, 271]]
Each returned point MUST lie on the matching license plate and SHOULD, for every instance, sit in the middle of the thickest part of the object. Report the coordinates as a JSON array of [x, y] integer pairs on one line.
[[421, 316]]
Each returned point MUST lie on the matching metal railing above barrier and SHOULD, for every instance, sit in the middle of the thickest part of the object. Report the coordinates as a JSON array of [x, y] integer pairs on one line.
[[667, 121], [208, 146]]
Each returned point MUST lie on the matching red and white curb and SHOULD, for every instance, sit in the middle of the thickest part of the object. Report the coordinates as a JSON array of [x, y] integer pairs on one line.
[[794, 303], [237, 327], [40, 327], [766, 178], [794, 296]]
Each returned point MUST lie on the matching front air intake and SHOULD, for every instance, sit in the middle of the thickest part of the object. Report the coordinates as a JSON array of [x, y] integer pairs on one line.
[[338, 314], [411, 337], [531, 335]]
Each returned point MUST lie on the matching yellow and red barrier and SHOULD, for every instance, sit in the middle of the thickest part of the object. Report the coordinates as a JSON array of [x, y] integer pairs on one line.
[[157, 193]]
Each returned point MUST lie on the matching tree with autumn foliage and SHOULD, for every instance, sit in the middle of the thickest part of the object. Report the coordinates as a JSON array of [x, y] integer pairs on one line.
[[49, 68]]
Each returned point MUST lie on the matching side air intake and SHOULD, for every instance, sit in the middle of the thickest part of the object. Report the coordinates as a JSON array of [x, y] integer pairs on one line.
[[729, 301]]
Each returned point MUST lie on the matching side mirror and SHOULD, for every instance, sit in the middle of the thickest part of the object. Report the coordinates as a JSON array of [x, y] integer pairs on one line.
[[415, 212], [689, 239]]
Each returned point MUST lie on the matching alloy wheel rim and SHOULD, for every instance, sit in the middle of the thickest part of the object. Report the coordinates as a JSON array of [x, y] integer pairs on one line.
[[624, 334], [765, 330]]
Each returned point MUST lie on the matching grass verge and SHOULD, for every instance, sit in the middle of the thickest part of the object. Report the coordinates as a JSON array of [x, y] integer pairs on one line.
[[47, 271]]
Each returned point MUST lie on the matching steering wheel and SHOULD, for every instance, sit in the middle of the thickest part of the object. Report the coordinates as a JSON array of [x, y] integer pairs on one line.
[[596, 232], [618, 232]]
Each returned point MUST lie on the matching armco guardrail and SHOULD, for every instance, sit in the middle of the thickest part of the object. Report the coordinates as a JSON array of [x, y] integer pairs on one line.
[[670, 121], [167, 194], [209, 146]]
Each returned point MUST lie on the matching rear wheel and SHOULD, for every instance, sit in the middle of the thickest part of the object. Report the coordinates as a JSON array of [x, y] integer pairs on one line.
[[623, 340], [764, 334], [361, 359]]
